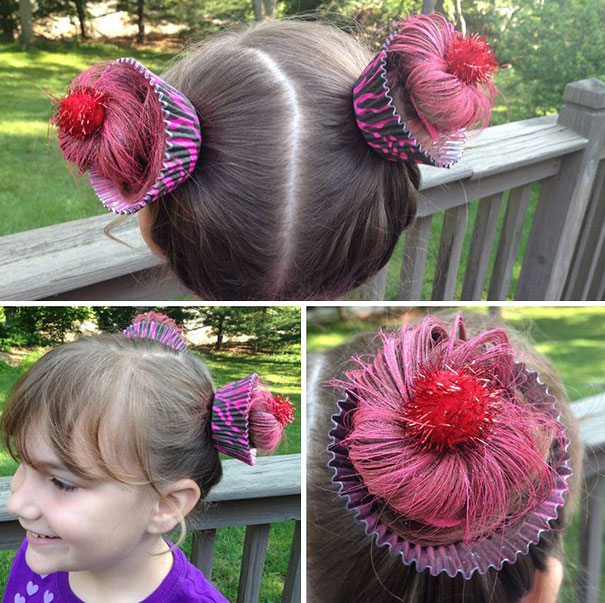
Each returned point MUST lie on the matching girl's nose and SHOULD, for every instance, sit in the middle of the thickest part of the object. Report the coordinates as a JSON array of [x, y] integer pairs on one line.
[[22, 501]]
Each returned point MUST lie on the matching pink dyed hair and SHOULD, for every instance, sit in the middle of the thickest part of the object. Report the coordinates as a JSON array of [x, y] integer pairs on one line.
[[469, 488], [128, 148], [433, 67], [269, 415]]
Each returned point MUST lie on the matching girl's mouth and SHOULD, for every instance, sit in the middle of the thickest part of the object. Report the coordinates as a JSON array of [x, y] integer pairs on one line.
[[36, 538]]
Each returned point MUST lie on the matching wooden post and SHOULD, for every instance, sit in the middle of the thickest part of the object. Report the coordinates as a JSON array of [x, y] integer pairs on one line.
[[564, 198], [591, 549], [253, 562], [291, 593]]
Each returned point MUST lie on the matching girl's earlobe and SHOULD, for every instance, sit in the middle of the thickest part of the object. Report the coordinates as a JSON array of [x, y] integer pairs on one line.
[[145, 227], [177, 500]]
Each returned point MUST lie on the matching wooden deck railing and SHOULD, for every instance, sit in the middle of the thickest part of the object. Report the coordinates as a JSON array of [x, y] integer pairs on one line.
[[564, 256], [254, 497]]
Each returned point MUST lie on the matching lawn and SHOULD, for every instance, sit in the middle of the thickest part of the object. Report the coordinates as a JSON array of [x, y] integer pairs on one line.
[[37, 188], [282, 373], [572, 337]]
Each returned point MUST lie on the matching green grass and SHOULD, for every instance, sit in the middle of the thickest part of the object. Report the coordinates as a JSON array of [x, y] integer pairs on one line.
[[572, 337], [37, 186], [282, 373]]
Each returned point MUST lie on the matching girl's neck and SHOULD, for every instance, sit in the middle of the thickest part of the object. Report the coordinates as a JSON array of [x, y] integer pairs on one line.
[[129, 579]]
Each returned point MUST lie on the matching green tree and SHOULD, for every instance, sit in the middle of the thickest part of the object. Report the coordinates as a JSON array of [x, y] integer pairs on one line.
[[550, 44], [41, 325]]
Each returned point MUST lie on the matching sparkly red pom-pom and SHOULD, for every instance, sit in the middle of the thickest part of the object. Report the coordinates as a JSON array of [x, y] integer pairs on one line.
[[282, 410], [470, 58], [451, 407], [82, 112]]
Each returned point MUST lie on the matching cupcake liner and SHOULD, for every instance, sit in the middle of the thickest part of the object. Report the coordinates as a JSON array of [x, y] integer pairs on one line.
[[183, 142], [230, 412], [148, 329], [384, 129], [513, 539]]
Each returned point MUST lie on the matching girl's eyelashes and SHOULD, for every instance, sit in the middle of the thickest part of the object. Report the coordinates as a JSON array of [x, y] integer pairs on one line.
[[61, 485]]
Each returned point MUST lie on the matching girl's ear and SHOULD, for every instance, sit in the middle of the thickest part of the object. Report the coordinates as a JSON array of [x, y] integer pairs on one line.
[[177, 500], [145, 227]]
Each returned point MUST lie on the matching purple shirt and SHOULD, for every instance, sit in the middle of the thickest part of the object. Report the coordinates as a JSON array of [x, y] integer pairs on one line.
[[184, 583]]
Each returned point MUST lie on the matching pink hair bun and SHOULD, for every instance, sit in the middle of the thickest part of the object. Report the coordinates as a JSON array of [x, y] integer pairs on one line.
[[446, 78], [446, 442], [136, 135], [269, 415]]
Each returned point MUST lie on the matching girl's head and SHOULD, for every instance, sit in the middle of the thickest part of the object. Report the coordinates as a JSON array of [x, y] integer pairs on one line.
[[451, 454], [286, 199], [124, 420]]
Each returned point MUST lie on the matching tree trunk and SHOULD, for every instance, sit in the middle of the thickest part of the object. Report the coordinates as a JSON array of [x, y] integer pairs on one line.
[[439, 7], [269, 7], [219, 334], [257, 5], [141, 21], [460, 17], [25, 16], [428, 6], [81, 8]]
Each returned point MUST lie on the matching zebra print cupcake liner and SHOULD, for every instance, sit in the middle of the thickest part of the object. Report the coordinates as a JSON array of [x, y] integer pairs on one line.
[[384, 129], [158, 331], [182, 146], [504, 545], [230, 412]]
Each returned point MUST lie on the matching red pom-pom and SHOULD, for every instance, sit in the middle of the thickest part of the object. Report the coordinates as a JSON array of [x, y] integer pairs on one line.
[[470, 58], [282, 410], [451, 407], [82, 112]]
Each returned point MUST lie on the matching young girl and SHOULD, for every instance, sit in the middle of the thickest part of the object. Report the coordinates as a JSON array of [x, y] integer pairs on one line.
[[118, 438], [439, 468], [278, 161]]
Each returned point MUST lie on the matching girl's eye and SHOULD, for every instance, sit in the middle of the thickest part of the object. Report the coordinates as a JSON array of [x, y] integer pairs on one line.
[[64, 486]]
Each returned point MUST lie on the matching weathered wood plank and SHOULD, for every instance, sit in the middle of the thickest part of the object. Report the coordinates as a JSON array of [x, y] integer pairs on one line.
[[253, 561], [508, 147], [481, 247], [50, 260], [414, 259], [591, 543], [202, 551], [256, 511], [291, 592], [462, 192], [450, 248], [514, 219]]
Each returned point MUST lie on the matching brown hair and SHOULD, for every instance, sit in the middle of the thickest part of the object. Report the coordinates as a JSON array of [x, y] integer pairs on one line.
[[88, 392], [345, 565], [287, 201]]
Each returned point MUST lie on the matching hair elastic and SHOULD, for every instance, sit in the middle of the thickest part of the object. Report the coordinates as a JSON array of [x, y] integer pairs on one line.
[[466, 60], [411, 375], [82, 113]]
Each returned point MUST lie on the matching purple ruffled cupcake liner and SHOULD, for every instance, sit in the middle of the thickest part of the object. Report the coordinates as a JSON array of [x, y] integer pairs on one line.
[[384, 129], [230, 414], [183, 142], [506, 544]]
